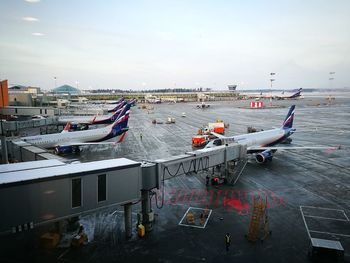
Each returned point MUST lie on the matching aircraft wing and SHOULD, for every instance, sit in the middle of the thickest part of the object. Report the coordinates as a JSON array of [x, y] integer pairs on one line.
[[97, 143], [220, 136], [75, 121], [257, 148]]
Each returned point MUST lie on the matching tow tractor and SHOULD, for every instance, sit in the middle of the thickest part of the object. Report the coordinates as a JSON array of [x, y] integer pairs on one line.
[[200, 140]]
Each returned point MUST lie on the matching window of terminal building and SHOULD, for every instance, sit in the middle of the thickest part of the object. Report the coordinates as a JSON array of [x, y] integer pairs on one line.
[[76, 192], [101, 188]]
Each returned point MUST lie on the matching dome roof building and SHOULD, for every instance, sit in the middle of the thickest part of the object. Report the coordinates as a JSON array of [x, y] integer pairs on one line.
[[66, 89]]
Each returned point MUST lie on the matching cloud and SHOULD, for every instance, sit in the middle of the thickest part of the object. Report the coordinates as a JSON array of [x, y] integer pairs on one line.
[[32, 1], [38, 34], [30, 19]]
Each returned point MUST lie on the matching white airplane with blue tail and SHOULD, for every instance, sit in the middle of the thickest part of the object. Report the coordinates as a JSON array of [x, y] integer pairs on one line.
[[263, 143], [66, 142]]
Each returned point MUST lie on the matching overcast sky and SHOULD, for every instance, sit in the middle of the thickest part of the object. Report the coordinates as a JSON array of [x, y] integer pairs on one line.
[[180, 43]]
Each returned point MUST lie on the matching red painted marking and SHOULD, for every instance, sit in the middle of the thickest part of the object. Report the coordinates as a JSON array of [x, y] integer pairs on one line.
[[218, 193], [212, 192], [184, 197], [174, 196], [196, 192], [236, 201], [240, 207], [204, 198], [191, 196]]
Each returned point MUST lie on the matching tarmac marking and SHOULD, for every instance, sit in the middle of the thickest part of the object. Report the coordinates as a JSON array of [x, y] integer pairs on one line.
[[326, 218], [331, 209], [63, 254], [329, 233], [195, 208], [302, 214], [324, 208], [188, 209], [329, 218]]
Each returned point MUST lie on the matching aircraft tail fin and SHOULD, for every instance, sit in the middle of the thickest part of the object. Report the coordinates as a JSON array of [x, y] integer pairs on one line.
[[118, 106], [121, 124], [288, 122], [121, 137], [67, 127], [297, 94]]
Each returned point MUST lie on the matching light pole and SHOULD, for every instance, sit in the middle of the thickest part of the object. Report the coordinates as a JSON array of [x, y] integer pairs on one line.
[[271, 80], [331, 78], [55, 81]]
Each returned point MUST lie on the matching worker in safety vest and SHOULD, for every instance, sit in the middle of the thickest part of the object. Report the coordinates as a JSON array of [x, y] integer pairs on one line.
[[227, 241]]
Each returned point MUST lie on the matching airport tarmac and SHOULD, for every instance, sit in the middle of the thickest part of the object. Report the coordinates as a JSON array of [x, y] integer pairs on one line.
[[312, 182]]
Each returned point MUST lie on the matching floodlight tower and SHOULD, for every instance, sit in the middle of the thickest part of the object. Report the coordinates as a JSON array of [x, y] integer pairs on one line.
[[331, 79], [271, 81]]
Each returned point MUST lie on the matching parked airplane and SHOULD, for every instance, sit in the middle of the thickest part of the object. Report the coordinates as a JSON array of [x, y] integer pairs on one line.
[[278, 96], [284, 96], [263, 143], [203, 105], [132, 102], [66, 142], [118, 106], [90, 120], [115, 102]]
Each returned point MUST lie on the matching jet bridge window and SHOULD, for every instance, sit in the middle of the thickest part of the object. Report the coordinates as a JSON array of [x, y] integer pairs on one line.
[[101, 188], [76, 192]]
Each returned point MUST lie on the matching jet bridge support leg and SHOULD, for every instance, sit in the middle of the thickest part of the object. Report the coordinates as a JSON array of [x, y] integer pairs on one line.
[[4, 149], [128, 220], [147, 214]]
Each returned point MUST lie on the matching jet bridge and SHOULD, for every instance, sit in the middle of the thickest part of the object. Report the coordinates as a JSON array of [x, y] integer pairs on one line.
[[230, 157], [39, 192]]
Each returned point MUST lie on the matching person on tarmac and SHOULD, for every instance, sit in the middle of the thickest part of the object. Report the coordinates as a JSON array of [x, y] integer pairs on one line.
[[227, 241]]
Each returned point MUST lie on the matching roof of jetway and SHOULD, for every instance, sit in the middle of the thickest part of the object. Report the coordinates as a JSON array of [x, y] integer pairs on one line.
[[15, 167], [48, 171]]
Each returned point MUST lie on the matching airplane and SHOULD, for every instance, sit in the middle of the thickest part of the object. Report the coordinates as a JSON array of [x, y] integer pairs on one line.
[[118, 106], [203, 105], [278, 96], [132, 102], [115, 102], [283, 96], [67, 142], [262, 143], [85, 121]]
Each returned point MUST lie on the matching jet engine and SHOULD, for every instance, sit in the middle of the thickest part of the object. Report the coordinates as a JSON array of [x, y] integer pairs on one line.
[[63, 149], [264, 156], [79, 127]]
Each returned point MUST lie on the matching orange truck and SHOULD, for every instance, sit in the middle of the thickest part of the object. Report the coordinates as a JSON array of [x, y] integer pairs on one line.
[[218, 127], [200, 140]]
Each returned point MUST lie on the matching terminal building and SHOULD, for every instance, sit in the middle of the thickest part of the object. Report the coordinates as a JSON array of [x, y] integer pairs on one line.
[[66, 90]]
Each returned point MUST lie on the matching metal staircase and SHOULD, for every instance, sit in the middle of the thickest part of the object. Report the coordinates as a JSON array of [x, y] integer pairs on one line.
[[259, 222]]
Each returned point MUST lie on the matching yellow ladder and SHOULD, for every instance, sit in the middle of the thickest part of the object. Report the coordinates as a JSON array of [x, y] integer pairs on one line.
[[258, 214]]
